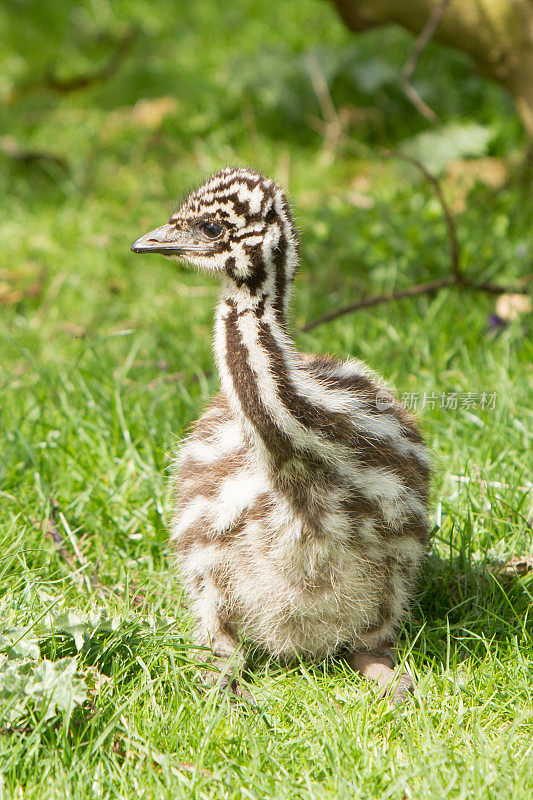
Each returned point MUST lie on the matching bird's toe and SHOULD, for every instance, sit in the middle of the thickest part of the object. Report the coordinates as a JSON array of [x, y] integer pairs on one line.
[[226, 683], [402, 690]]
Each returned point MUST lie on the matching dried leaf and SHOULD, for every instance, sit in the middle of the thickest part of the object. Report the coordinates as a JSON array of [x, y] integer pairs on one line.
[[516, 566], [510, 306], [439, 147], [146, 113], [360, 200], [463, 174], [151, 113], [14, 285]]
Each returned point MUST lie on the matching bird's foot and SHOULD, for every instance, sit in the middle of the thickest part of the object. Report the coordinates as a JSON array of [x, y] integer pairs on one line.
[[223, 677], [399, 691], [378, 666]]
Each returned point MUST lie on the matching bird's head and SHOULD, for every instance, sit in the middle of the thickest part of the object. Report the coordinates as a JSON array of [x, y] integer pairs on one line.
[[236, 223]]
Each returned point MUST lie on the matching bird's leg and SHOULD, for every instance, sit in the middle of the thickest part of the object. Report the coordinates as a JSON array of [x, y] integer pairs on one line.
[[224, 661], [378, 666], [224, 658]]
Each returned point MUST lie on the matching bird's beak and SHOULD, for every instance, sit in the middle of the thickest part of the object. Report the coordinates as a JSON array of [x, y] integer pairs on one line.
[[167, 240]]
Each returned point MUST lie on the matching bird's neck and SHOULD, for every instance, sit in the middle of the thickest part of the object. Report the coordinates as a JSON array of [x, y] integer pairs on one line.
[[268, 385], [252, 347]]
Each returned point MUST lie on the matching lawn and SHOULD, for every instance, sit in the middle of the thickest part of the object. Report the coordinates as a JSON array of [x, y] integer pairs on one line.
[[111, 112]]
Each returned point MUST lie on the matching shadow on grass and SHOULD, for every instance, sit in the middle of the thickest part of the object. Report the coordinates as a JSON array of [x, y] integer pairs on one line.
[[463, 606], [462, 609]]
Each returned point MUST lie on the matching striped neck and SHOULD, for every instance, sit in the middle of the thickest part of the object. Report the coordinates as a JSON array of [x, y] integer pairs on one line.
[[296, 414], [284, 408], [250, 332]]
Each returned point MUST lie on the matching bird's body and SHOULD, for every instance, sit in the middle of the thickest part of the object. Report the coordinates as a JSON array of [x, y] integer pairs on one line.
[[301, 493]]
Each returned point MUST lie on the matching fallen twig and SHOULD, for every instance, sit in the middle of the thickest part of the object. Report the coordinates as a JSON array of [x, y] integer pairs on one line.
[[11, 296], [455, 253], [421, 43], [12, 149], [494, 288], [411, 291], [105, 72], [15, 729], [79, 576], [417, 290]]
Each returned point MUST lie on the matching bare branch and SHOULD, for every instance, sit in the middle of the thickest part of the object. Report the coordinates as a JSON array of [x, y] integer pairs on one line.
[[455, 278], [494, 288], [104, 73], [411, 291], [332, 127], [12, 149], [421, 43], [455, 255]]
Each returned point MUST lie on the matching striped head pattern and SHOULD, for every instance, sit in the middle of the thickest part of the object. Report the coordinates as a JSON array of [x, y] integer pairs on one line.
[[237, 223]]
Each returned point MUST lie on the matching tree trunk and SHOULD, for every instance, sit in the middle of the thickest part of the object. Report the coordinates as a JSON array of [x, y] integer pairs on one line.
[[497, 34]]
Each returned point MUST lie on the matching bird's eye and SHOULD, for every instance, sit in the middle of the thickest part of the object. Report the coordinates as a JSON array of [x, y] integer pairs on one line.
[[211, 230]]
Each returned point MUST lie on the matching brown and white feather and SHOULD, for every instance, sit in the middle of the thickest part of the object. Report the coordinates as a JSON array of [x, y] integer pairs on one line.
[[300, 514]]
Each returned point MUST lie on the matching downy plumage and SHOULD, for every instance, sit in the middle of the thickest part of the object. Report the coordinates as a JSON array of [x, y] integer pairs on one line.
[[301, 493]]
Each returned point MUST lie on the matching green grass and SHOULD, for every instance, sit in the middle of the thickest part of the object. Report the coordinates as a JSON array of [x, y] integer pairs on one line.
[[104, 368]]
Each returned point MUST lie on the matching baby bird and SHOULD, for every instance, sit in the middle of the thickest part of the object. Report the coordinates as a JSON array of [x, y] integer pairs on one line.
[[301, 492]]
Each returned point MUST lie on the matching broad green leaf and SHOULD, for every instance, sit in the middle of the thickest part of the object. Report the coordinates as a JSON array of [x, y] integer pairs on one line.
[[47, 688], [82, 626], [17, 644], [436, 149]]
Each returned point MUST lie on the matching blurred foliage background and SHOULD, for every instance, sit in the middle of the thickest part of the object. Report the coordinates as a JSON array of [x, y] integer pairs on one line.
[[119, 108]]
